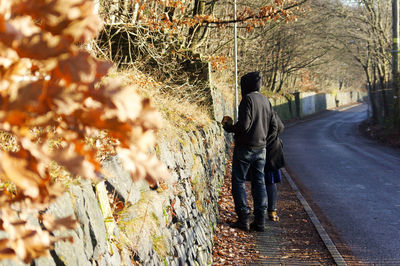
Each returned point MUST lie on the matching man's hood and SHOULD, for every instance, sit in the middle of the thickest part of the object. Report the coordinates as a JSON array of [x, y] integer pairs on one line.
[[250, 82]]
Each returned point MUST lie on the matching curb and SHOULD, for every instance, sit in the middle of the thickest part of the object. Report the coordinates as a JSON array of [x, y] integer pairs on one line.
[[337, 257]]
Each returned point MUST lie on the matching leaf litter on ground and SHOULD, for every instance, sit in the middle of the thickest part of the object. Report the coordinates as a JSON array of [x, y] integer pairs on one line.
[[300, 241]]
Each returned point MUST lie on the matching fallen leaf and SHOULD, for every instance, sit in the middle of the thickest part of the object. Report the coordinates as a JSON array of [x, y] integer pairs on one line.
[[51, 223]]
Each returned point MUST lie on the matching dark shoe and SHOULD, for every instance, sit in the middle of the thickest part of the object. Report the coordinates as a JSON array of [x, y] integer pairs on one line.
[[241, 225], [242, 222], [258, 224], [257, 227], [273, 216]]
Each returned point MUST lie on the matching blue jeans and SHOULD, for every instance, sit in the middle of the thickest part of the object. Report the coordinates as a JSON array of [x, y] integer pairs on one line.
[[272, 193], [271, 178], [243, 158]]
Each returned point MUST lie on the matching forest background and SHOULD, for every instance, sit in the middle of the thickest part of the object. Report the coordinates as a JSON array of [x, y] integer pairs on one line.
[[307, 45], [64, 107]]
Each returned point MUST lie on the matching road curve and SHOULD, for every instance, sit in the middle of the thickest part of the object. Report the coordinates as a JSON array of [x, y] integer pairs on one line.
[[354, 181]]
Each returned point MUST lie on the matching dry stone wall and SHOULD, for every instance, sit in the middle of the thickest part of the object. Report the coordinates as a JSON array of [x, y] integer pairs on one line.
[[181, 214], [171, 224]]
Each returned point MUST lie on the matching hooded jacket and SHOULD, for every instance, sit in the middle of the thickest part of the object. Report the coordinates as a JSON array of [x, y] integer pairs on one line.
[[255, 121]]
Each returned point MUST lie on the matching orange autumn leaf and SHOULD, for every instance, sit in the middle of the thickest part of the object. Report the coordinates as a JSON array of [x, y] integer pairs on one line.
[[7, 253], [85, 29], [79, 67], [41, 46], [51, 223], [14, 117], [73, 19], [47, 82], [26, 97], [21, 171]]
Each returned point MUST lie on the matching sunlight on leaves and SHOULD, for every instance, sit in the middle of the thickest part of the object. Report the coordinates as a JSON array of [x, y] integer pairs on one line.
[[52, 103]]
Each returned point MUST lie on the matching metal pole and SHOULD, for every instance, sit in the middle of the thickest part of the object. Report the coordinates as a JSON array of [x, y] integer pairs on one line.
[[395, 61], [236, 111]]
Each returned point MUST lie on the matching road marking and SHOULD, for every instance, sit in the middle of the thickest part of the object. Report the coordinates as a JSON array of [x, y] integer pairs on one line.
[[337, 257]]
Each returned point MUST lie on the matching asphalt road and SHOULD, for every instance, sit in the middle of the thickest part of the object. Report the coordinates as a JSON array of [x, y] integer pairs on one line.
[[354, 181]]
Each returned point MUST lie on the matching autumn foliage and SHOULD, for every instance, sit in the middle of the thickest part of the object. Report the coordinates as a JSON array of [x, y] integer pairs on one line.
[[51, 91], [164, 37]]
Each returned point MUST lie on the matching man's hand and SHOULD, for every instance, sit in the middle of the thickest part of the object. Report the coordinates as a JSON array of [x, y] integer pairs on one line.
[[226, 121]]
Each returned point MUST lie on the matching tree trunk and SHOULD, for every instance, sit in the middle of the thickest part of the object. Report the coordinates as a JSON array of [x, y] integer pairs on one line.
[[197, 34], [382, 83], [371, 94]]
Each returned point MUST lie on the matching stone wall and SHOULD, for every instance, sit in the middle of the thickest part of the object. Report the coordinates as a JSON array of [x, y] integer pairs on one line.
[[171, 224]]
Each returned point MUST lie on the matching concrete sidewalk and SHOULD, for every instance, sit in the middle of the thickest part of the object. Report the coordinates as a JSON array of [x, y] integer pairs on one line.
[[275, 245], [271, 246]]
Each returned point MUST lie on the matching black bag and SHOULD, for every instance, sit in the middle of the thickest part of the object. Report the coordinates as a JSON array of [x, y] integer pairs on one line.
[[275, 156]]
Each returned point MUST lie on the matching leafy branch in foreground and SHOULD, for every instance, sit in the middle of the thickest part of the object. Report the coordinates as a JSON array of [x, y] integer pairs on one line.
[[47, 82]]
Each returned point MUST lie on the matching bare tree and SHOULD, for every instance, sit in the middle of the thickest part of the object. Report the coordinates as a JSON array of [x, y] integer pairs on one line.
[[366, 36]]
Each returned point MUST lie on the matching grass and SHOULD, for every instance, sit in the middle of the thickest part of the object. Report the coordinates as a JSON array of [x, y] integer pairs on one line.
[[180, 115], [8, 142], [9, 187], [143, 223], [62, 175], [198, 184], [159, 245]]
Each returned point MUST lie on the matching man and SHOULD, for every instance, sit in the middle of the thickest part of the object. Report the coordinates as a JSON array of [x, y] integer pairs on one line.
[[251, 131]]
